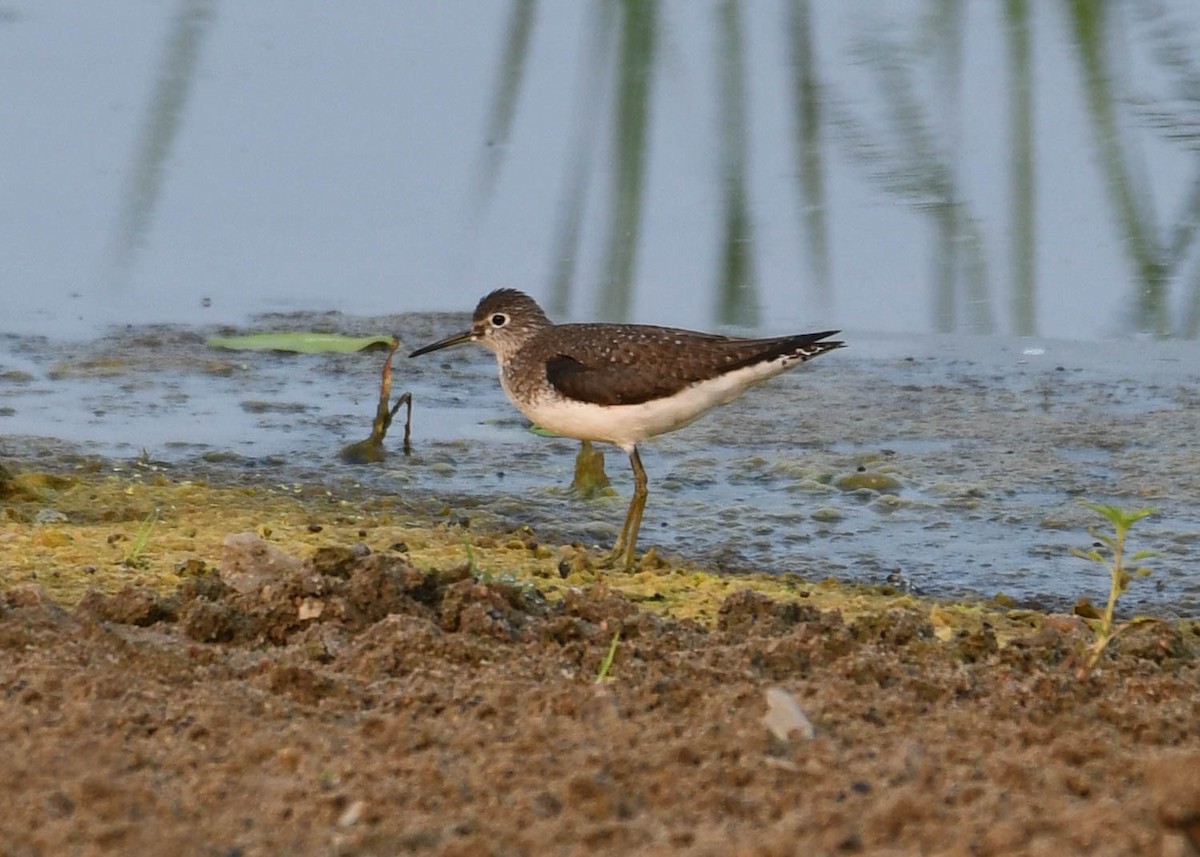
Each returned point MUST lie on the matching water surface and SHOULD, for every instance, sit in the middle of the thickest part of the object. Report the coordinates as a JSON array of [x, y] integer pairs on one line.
[[986, 447], [1021, 168]]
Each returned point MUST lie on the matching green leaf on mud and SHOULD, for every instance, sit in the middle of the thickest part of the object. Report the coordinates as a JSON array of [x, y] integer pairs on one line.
[[301, 342]]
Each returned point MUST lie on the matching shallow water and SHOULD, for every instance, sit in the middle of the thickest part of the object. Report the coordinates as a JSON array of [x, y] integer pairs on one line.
[[992, 444], [908, 167]]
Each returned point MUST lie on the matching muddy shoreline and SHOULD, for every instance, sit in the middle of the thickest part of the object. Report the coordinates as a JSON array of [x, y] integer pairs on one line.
[[404, 658], [949, 466], [353, 680]]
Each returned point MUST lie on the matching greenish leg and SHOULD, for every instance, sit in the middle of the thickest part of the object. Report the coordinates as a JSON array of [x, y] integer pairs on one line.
[[627, 541]]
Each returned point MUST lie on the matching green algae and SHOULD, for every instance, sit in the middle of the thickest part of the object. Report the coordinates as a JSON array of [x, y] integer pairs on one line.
[[97, 517]]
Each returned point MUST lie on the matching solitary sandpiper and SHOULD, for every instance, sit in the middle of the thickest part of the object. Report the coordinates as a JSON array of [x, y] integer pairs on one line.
[[621, 383]]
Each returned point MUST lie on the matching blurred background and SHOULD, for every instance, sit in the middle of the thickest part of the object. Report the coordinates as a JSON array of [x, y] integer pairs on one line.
[[975, 166]]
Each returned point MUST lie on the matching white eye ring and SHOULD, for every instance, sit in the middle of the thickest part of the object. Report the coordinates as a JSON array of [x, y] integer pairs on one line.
[[499, 319]]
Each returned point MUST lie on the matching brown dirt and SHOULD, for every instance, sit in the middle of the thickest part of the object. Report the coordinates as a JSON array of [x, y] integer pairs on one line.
[[348, 702]]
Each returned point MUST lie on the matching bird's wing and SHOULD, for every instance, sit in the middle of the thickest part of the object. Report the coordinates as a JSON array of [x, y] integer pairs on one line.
[[657, 362], [608, 383]]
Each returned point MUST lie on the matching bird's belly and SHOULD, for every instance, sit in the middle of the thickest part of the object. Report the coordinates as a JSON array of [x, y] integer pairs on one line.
[[619, 424], [630, 424]]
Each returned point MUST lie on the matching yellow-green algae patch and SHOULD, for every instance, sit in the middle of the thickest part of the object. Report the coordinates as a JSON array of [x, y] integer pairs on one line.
[[106, 532]]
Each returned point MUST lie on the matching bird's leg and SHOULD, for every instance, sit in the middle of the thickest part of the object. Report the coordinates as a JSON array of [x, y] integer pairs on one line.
[[627, 541]]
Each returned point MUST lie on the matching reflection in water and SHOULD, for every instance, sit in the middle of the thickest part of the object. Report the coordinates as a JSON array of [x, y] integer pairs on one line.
[[908, 140], [1176, 115], [521, 17], [1022, 242], [633, 26], [1156, 261], [737, 302], [1092, 29], [635, 74], [925, 164], [589, 109], [807, 99], [163, 119], [915, 159]]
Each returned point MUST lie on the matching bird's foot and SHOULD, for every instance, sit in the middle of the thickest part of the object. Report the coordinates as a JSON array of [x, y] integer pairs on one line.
[[621, 557]]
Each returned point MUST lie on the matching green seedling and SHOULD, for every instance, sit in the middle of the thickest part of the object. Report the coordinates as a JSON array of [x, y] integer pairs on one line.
[[606, 664], [1110, 552], [133, 556]]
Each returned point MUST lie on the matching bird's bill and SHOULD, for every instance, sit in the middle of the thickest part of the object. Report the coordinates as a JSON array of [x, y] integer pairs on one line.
[[457, 339]]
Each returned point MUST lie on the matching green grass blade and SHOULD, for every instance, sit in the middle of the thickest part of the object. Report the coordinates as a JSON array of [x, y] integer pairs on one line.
[[606, 664]]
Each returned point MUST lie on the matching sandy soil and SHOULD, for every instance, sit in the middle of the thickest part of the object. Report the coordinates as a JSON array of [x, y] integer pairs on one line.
[[341, 700]]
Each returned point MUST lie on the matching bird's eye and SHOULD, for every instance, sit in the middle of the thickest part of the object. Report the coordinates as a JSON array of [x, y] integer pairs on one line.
[[499, 320]]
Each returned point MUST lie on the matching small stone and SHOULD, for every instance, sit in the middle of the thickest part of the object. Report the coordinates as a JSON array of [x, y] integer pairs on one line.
[[785, 717], [352, 814], [310, 608]]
